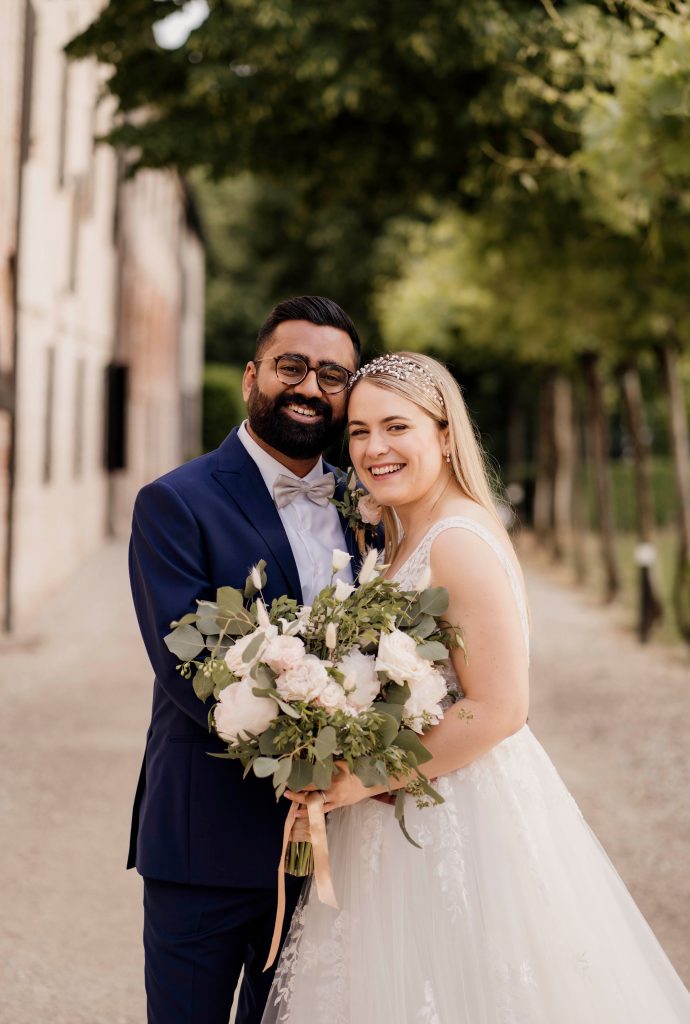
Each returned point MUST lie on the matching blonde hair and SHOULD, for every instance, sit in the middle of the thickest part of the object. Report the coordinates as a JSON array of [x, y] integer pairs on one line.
[[442, 401]]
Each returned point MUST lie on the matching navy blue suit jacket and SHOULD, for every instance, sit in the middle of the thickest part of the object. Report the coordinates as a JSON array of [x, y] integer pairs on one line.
[[202, 526]]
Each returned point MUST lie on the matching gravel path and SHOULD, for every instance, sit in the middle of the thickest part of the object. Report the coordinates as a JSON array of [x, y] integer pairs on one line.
[[615, 718]]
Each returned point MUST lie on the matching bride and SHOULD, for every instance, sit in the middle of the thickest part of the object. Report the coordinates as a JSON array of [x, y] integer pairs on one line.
[[511, 913]]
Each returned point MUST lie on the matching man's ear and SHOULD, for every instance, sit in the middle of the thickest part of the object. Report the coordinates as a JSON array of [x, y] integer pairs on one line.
[[248, 379]]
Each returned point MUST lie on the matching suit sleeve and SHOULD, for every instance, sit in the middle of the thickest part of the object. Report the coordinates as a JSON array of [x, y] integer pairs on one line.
[[168, 572]]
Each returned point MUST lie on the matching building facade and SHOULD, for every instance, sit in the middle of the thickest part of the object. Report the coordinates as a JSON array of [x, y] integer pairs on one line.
[[101, 326]]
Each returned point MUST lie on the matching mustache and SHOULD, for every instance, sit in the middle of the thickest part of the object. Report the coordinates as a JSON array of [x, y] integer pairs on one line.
[[309, 403]]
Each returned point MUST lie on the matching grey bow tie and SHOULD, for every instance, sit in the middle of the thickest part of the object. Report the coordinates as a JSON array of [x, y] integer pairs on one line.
[[287, 488]]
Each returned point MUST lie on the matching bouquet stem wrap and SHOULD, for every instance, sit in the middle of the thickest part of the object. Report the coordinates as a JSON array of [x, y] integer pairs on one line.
[[322, 865]]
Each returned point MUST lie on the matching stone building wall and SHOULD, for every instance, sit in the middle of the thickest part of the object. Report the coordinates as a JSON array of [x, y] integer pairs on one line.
[[108, 354]]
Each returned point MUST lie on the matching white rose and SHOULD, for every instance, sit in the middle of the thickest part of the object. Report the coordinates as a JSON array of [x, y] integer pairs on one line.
[[426, 694], [234, 657], [398, 657], [239, 711], [342, 590], [305, 681], [339, 559], [361, 685], [283, 652], [333, 697]]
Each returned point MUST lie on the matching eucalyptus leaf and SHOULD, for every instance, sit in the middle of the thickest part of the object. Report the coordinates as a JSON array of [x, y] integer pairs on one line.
[[433, 650], [202, 685], [265, 766], [283, 705], [326, 742], [389, 727], [433, 601], [400, 817], [369, 772], [216, 646], [235, 625], [185, 642], [424, 627], [301, 775], [282, 772], [396, 694], [229, 600], [323, 773], [263, 676], [253, 648], [185, 620], [409, 741], [223, 757], [395, 711], [267, 742]]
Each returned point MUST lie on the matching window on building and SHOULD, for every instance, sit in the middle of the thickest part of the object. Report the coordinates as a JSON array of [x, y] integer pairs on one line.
[[78, 461], [49, 406], [116, 380]]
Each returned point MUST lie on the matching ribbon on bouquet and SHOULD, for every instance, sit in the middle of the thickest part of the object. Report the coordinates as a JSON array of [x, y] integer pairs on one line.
[[322, 865]]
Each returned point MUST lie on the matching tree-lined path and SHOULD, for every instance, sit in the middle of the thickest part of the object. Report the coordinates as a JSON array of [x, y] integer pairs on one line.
[[75, 695]]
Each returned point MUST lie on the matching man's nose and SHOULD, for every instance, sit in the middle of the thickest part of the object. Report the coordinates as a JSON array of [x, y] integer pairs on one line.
[[309, 387]]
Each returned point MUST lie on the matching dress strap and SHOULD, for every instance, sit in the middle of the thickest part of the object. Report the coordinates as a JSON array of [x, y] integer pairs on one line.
[[465, 523]]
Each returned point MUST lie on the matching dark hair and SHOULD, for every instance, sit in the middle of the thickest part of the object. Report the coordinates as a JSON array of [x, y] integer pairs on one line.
[[314, 308]]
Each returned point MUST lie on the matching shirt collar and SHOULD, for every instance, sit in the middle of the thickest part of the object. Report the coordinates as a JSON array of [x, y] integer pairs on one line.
[[269, 467]]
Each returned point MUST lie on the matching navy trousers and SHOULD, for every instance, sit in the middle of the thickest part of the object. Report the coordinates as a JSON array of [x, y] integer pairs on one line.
[[197, 939]]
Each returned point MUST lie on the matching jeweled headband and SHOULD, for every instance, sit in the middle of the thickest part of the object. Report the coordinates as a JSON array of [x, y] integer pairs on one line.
[[402, 368]]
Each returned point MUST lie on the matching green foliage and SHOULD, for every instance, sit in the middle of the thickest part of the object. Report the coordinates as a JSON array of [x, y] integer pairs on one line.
[[623, 494], [223, 405], [265, 242]]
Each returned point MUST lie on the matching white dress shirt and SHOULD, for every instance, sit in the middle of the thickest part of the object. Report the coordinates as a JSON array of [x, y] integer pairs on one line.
[[313, 532]]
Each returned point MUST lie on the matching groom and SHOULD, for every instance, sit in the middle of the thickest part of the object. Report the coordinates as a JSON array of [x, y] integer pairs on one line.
[[206, 841]]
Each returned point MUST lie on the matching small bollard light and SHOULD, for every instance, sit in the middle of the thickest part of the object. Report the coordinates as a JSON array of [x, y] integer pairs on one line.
[[645, 556]]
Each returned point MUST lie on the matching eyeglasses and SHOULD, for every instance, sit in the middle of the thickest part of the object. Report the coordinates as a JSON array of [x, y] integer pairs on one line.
[[331, 378]]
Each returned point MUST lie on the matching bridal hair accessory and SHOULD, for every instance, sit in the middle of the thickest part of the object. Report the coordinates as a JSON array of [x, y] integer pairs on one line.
[[402, 368]]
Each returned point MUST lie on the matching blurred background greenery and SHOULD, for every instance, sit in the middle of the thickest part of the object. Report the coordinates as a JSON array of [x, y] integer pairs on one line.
[[502, 184]]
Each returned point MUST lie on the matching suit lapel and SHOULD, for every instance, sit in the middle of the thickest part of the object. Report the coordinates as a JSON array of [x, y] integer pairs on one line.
[[350, 539], [239, 475]]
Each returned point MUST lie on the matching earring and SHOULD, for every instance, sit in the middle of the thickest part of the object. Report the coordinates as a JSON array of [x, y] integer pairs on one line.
[[448, 457]]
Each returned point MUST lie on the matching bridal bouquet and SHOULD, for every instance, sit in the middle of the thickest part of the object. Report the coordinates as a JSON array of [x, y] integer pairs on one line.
[[353, 677]]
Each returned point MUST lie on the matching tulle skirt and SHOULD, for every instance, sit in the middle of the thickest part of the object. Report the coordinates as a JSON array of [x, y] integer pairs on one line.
[[511, 913]]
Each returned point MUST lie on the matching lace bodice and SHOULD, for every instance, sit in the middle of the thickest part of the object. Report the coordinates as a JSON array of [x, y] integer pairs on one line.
[[411, 572]]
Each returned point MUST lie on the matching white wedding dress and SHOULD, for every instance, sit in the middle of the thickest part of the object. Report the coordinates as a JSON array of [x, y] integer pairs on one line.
[[511, 913]]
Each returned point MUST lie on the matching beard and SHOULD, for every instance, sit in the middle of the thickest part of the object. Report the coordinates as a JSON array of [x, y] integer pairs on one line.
[[269, 421]]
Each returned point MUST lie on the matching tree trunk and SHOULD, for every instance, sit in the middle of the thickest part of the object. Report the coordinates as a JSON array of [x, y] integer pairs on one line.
[[580, 511], [564, 465], [543, 489], [517, 456], [680, 444], [651, 608], [598, 433]]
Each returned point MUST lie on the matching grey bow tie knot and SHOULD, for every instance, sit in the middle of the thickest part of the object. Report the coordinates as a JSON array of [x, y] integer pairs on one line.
[[287, 488]]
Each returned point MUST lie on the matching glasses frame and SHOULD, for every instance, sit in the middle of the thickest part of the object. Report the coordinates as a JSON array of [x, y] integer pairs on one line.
[[308, 368]]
